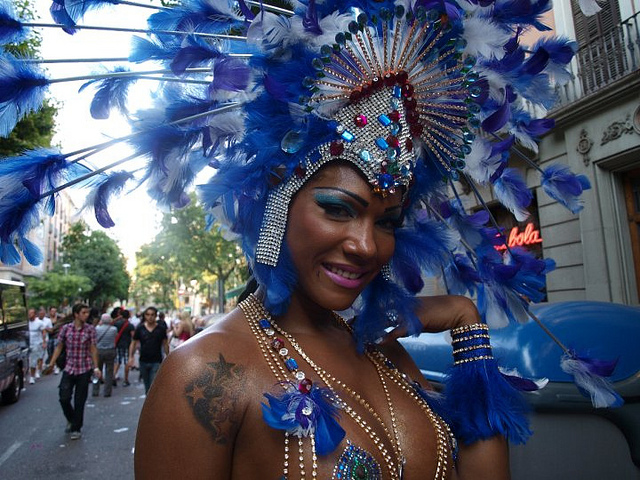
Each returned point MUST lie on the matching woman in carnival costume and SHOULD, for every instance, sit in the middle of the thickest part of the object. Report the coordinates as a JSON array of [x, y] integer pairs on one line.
[[337, 130]]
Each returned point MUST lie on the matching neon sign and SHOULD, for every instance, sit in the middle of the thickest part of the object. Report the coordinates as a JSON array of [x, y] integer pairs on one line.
[[530, 236]]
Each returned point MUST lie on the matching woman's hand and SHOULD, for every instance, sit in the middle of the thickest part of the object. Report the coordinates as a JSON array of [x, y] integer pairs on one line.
[[439, 313]]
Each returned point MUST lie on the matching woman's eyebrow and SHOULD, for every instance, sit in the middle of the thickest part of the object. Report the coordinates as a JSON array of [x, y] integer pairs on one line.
[[356, 197]]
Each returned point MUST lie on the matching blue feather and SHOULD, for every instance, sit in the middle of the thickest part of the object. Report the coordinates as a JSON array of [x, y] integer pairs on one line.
[[230, 74], [110, 93], [60, 15], [589, 375], [30, 250], [310, 19], [468, 226], [22, 89], [109, 186], [196, 52], [11, 30], [497, 408], [499, 118], [461, 276], [561, 184], [522, 12], [143, 49], [513, 193]]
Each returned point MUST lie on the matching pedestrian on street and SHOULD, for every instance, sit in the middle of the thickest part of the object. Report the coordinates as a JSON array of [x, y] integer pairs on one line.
[[123, 342], [79, 339], [51, 338], [106, 343], [152, 340], [37, 345]]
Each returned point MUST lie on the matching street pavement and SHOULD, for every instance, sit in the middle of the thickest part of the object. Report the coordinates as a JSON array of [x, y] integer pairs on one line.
[[33, 444]]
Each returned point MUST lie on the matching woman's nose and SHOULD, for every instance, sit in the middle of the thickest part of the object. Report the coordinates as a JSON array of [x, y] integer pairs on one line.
[[361, 241]]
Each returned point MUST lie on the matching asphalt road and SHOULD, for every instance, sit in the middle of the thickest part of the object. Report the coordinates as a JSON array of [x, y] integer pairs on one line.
[[33, 444]]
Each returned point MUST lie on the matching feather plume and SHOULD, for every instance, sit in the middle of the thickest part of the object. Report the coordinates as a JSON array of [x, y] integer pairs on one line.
[[110, 93], [513, 193], [461, 276], [11, 29], [143, 49], [209, 16], [517, 381], [77, 9], [484, 38], [589, 375], [563, 185], [60, 15], [482, 163], [468, 226], [230, 74], [196, 52], [99, 198], [22, 89], [560, 51]]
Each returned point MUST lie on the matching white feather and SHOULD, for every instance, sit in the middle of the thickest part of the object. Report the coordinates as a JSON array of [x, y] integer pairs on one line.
[[589, 7], [599, 388], [494, 315], [331, 25], [480, 164], [484, 38]]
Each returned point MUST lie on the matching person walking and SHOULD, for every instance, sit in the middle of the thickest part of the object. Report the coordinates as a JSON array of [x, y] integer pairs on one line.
[[152, 340], [106, 343], [37, 345], [123, 342], [51, 339], [79, 339]]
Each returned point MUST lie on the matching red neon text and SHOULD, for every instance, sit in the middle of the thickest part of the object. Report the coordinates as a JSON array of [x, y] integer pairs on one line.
[[516, 238]]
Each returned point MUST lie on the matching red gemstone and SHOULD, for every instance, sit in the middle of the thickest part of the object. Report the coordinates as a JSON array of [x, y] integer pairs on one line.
[[277, 343], [393, 141], [336, 148], [390, 79], [408, 144], [416, 129], [300, 171], [305, 385], [360, 120], [413, 117], [402, 77], [395, 116], [407, 90], [410, 104], [355, 96]]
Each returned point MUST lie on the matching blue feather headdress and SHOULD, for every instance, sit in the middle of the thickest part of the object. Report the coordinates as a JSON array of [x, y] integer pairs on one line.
[[415, 94]]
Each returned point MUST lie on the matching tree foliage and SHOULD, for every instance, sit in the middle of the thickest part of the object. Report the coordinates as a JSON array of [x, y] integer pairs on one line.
[[96, 256], [185, 250], [58, 289]]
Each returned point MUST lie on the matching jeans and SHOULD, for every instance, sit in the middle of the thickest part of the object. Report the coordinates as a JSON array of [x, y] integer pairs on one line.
[[105, 362], [74, 413], [148, 373]]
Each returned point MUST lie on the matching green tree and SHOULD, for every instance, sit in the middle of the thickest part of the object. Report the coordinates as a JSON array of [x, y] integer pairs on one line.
[[37, 128], [57, 289], [185, 250], [98, 257]]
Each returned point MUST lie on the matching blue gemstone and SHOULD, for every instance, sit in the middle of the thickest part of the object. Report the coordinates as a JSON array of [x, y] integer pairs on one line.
[[385, 180], [468, 137], [365, 156], [391, 153], [395, 129], [264, 323], [292, 142], [395, 103], [382, 143], [384, 120], [347, 136], [397, 91], [291, 364]]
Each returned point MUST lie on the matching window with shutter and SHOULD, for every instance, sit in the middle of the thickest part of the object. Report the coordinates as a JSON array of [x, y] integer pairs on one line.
[[601, 55]]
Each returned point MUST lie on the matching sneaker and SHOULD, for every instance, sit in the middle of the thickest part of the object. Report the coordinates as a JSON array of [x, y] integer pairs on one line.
[[126, 383], [56, 370], [75, 435], [32, 380], [37, 373]]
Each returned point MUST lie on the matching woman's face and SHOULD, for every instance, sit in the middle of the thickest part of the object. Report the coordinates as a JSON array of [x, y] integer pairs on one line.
[[340, 234]]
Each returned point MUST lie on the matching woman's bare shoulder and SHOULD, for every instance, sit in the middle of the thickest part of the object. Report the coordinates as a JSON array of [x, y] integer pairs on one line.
[[200, 396]]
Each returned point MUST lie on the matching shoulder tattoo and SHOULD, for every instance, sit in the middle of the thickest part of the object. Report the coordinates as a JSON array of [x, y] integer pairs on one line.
[[213, 397]]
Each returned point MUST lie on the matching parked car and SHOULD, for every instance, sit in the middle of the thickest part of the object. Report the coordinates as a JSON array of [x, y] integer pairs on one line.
[[571, 440], [14, 340]]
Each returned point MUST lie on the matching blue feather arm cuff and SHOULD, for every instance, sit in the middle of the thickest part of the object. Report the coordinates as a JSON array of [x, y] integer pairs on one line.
[[479, 401]]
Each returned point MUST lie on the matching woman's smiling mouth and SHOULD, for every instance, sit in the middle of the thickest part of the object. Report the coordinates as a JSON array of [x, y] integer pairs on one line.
[[347, 278]]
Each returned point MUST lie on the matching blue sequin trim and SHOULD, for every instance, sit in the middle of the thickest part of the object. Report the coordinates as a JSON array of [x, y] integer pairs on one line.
[[356, 464]]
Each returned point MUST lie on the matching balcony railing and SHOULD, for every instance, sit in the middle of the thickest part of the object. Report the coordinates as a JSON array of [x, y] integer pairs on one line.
[[607, 59]]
